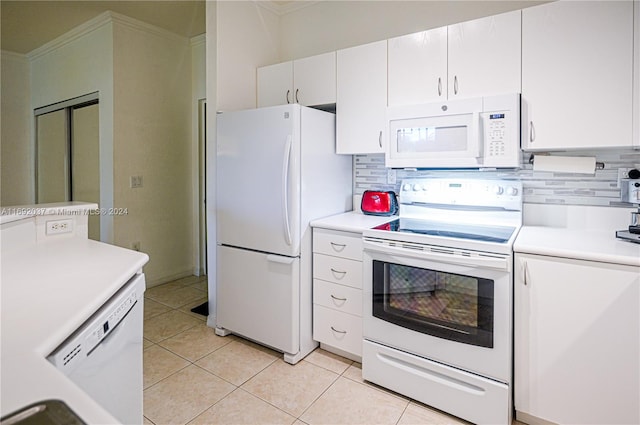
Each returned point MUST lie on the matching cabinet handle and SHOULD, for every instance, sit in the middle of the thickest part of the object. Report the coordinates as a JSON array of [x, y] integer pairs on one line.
[[380, 139], [525, 272], [297, 101], [439, 86], [338, 272], [288, 91], [455, 84], [337, 246], [532, 132], [335, 330], [338, 298]]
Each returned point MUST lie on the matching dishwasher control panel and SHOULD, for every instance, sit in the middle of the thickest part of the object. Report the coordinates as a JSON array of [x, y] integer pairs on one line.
[[98, 327]]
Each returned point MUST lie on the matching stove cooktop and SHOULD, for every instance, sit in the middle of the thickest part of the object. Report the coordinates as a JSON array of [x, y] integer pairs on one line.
[[473, 214], [497, 234]]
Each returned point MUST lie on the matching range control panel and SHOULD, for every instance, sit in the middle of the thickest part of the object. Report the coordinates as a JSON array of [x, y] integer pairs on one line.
[[487, 193]]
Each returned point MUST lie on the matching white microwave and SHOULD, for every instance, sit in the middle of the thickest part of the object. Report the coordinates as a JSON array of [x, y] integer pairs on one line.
[[468, 133]]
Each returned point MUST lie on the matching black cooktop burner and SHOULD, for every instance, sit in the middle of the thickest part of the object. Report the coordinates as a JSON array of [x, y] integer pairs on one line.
[[499, 234]]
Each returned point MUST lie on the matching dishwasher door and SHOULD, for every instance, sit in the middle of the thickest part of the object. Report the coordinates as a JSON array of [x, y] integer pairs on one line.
[[104, 356]]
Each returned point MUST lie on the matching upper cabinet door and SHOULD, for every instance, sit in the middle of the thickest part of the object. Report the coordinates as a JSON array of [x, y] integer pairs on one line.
[[361, 98], [275, 84], [418, 67], [315, 80], [577, 75], [484, 56]]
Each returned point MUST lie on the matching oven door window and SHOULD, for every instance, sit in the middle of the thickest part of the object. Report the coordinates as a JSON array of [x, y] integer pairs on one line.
[[445, 305]]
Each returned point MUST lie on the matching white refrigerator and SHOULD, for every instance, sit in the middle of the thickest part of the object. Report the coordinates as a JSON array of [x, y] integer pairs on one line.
[[276, 171]]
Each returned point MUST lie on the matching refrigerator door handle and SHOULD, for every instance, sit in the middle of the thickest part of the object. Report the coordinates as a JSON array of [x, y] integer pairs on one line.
[[285, 189], [280, 259]]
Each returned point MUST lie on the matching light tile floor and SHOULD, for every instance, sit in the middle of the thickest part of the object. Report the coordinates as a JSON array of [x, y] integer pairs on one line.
[[192, 376]]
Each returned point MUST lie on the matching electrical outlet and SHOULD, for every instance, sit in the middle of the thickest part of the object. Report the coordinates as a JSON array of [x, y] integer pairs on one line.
[[391, 176], [135, 246], [623, 173], [56, 227]]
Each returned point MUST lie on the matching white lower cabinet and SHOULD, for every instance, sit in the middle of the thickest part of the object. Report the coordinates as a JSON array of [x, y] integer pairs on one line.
[[577, 341], [337, 291]]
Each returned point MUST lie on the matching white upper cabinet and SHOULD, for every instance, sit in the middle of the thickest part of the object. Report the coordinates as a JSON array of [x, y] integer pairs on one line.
[[361, 98], [484, 56], [418, 67], [577, 75], [315, 80], [470, 59], [309, 81], [275, 84]]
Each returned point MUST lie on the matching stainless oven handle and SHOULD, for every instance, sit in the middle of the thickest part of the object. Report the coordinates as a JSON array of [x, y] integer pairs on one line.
[[498, 263]]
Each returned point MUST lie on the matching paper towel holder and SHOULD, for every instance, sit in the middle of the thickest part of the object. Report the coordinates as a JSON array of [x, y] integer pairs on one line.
[[599, 165]]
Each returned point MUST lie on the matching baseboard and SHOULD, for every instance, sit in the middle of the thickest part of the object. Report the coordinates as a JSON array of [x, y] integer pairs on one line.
[[166, 279]]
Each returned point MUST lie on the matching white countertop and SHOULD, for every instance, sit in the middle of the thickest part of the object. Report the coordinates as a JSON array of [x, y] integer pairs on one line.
[[351, 221], [587, 244], [48, 290]]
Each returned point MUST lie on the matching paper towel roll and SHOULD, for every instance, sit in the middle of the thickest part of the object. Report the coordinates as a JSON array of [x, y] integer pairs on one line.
[[565, 164]]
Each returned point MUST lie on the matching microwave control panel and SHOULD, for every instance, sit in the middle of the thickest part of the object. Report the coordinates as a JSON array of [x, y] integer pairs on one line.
[[498, 141]]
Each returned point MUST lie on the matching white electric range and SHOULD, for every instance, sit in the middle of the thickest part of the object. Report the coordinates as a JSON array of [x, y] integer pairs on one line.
[[438, 285]]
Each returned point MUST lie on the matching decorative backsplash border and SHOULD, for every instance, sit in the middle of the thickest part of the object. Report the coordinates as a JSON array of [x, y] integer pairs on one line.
[[600, 189]]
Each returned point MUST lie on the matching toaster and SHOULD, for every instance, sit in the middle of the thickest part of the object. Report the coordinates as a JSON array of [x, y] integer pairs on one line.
[[379, 203]]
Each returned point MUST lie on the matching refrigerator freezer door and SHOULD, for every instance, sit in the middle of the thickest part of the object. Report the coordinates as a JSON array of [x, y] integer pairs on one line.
[[258, 179], [259, 297]]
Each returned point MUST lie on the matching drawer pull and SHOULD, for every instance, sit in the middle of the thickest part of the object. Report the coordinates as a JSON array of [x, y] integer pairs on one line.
[[340, 300], [337, 331], [338, 274], [338, 247]]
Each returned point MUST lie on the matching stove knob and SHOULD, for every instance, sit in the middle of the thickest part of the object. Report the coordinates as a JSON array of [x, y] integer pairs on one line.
[[498, 190], [512, 191], [417, 187], [406, 187]]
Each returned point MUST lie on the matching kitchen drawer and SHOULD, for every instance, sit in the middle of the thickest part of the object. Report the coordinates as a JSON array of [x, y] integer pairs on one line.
[[337, 297], [339, 244], [337, 270], [336, 329]]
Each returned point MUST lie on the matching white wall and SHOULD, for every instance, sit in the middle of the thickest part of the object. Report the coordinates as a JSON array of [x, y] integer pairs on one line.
[[76, 64], [152, 139], [247, 37], [16, 154], [331, 25]]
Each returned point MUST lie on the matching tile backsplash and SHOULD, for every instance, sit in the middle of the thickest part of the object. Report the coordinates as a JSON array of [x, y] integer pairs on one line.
[[600, 189]]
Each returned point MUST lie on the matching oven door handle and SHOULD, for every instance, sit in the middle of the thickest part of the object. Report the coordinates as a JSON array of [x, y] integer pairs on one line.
[[446, 255]]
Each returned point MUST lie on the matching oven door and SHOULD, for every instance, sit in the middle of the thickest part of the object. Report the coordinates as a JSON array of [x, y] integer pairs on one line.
[[448, 305]]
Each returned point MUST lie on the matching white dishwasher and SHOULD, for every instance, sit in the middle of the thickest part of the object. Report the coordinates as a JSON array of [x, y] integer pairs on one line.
[[104, 356]]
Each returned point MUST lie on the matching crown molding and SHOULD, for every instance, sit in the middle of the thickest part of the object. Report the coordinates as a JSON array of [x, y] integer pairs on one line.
[[145, 27], [72, 35], [7, 54], [285, 7], [98, 22]]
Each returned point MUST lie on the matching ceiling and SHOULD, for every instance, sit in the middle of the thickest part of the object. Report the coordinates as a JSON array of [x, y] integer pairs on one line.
[[26, 25]]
